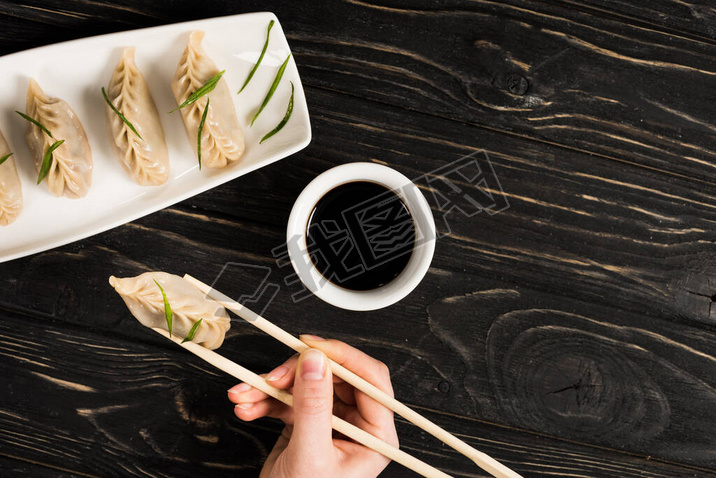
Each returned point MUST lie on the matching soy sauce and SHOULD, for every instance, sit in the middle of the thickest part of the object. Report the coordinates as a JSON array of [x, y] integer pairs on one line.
[[360, 235]]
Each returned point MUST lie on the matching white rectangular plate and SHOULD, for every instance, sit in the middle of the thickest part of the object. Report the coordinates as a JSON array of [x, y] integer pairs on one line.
[[75, 71]]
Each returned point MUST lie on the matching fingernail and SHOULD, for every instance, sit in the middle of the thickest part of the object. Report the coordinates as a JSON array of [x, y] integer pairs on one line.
[[240, 388], [245, 406], [314, 338], [313, 365], [277, 373]]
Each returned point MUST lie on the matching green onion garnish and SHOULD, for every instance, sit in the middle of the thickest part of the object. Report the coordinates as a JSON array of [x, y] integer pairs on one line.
[[285, 119], [47, 160], [204, 90], [4, 158], [36, 123], [167, 308], [192, 332], [276, 80], [201, 128], [261, 57], [121, 116]]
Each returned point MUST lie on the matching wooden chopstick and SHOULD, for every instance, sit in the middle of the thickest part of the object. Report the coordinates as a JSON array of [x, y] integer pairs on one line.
[[484, 461], [342, 426]]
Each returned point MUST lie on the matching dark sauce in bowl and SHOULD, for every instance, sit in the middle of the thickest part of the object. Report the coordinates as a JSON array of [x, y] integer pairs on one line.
[[360, 235]]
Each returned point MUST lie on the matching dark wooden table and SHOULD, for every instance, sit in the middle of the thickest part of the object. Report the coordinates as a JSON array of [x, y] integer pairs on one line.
[[572, 334]]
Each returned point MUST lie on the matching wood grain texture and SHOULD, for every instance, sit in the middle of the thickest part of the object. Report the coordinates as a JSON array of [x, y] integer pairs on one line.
[[589, 82], [582, 78], [516, 323], [14, 467], [695, 19], [154, 410], [570, 335]]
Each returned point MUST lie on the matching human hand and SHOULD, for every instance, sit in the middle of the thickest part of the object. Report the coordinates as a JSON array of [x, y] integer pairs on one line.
[[308, 447]]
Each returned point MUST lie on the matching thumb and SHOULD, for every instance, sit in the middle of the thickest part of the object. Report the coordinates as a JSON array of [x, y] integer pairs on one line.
[[312, 408]]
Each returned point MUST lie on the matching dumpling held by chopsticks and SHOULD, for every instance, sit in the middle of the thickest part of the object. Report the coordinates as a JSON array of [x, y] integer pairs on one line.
[[145, 301]]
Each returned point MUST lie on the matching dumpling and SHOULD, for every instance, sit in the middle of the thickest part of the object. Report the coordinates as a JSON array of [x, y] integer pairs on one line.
[[146, 159], [145, 302], [71, 169], [10, 188], [222, 141]]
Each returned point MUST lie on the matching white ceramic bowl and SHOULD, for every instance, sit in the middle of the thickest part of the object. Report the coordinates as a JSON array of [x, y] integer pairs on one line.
[[420, 258]]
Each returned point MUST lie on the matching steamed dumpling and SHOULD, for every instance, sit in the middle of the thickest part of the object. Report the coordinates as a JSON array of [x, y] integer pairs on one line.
[[71, 169], [10, 189], [145, 302], [146, 159], [222, 141]]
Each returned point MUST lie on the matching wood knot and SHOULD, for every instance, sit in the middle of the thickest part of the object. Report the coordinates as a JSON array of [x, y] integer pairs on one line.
[[517, 84], [66, 301], [556, 373], [612, 378], [694, 292], [199, 407]]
